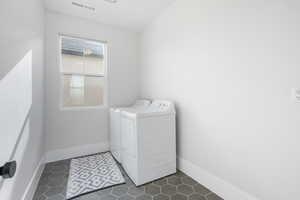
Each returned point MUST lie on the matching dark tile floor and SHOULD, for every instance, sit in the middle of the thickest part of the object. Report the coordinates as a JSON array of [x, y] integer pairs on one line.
[[53, 182]]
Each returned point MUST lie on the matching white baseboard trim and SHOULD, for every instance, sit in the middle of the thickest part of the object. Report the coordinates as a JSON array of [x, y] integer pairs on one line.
[[61, 154], [222, 188], [31, 187]]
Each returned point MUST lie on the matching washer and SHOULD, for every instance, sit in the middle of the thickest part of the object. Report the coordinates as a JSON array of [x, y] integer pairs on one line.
[[115, 127], [149, 142]]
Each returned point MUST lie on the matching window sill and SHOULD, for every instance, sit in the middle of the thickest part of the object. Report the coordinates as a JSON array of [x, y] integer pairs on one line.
[[84, 108]]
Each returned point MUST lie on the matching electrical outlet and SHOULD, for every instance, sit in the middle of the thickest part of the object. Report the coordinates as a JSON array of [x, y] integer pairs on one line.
[[296, 95]]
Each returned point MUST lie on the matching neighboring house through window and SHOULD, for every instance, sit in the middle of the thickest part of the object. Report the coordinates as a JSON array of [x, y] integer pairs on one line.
[[83, 67]]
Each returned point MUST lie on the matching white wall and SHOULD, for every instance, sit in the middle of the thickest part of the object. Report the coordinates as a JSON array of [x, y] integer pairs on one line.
[[230, 66], [22, 30], [71, 129]]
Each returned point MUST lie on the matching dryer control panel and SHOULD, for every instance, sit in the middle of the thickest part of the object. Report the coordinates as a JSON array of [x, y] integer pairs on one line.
[[161, 106]]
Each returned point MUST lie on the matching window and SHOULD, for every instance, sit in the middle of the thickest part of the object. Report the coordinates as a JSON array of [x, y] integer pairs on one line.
[[82, 72]]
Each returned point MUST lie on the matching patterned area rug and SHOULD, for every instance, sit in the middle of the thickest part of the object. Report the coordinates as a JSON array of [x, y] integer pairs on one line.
[[92, 173]]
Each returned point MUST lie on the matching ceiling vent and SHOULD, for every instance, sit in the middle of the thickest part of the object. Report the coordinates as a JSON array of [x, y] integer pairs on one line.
[[83, 6], [111, 1]]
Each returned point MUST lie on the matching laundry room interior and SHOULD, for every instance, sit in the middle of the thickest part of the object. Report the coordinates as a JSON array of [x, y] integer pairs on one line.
[[149, 100]]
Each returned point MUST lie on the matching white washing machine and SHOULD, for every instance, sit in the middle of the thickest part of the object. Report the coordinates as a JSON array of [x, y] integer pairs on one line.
[[115, 127], [149, 142]]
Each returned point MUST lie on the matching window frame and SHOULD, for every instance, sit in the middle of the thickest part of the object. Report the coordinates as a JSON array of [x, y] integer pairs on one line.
[[104, 75]]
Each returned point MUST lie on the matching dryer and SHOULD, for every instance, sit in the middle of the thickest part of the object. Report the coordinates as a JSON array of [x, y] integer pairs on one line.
[[149, 142], [115, 127]]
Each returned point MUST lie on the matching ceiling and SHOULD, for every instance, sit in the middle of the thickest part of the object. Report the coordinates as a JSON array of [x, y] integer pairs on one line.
[[130, 14]]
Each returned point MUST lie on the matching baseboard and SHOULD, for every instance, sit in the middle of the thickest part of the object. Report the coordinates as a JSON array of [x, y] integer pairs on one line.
[[31, 187], [222, 188], [61, 154]]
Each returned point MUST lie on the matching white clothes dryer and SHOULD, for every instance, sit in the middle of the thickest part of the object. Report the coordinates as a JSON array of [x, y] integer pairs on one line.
[[115, 127], [149, 142]]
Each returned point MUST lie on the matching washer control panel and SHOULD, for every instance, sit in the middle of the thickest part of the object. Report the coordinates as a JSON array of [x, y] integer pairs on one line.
[[161, 106]]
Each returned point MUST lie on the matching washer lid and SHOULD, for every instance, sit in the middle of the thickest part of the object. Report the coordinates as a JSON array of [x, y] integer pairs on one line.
[[140, 103]]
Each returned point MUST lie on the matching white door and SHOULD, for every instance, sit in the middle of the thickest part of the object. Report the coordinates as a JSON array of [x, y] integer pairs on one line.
[[15, 103]]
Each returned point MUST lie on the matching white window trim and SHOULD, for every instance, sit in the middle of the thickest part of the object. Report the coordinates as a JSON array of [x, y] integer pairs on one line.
[[104, 75]]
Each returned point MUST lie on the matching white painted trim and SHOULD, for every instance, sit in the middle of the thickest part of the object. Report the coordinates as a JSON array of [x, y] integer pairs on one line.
[[222, 188], [61, 154], [32, 185]]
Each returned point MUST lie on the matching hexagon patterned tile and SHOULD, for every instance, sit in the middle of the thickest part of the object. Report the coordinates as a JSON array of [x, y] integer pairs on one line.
[[179, 186]]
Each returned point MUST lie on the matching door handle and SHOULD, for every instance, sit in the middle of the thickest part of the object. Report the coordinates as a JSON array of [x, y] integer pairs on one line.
[[8, 170]]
